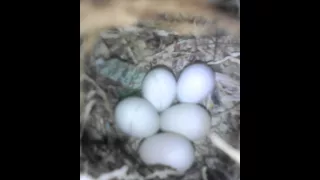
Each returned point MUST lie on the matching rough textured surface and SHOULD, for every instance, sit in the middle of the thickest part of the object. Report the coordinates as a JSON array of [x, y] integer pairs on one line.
[[183, 16], [114, 70]]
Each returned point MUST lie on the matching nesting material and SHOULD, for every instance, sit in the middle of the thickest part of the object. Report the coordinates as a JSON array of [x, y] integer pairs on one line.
[[116, 71]]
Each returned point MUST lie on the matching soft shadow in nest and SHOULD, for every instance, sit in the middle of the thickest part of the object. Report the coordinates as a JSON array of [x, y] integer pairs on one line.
[[100, 153], [230, 7]]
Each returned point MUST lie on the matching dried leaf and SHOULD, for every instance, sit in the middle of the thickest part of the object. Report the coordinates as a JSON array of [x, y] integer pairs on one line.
[[129, 76]]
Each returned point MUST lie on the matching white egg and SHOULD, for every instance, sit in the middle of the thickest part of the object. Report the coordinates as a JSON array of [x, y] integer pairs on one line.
[[137, 117], [168, 149], [159, 88], [190, 120], [195, 83]]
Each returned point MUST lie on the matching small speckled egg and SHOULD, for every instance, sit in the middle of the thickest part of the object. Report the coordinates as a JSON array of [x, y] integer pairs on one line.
[[159, 88], [137, 117], [190, 120], [195, 83], [168, 149]]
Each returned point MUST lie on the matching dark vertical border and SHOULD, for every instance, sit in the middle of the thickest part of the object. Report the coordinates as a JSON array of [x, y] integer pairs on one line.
[[264, 118], [55, 61], [251, 100], [41, 79]]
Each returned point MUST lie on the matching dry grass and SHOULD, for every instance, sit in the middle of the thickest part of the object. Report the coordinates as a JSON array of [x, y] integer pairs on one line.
[[123, 13], [185, 17], [105, 153]]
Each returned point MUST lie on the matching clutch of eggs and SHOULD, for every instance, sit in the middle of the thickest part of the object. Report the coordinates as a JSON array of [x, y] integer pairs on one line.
[[180, 123]]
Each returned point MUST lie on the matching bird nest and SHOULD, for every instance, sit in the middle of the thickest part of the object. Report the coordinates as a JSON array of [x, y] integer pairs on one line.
[[114, 69]]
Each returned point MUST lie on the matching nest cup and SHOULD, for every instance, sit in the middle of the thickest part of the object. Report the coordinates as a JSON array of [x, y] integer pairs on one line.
[[114, 70]]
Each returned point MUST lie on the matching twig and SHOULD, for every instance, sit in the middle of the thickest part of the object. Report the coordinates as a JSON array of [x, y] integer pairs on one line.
[[99, 91], [232, 59], [119, 173], [86, 115], [116, 174], [225, 147], [162, 174], [204, 173]]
